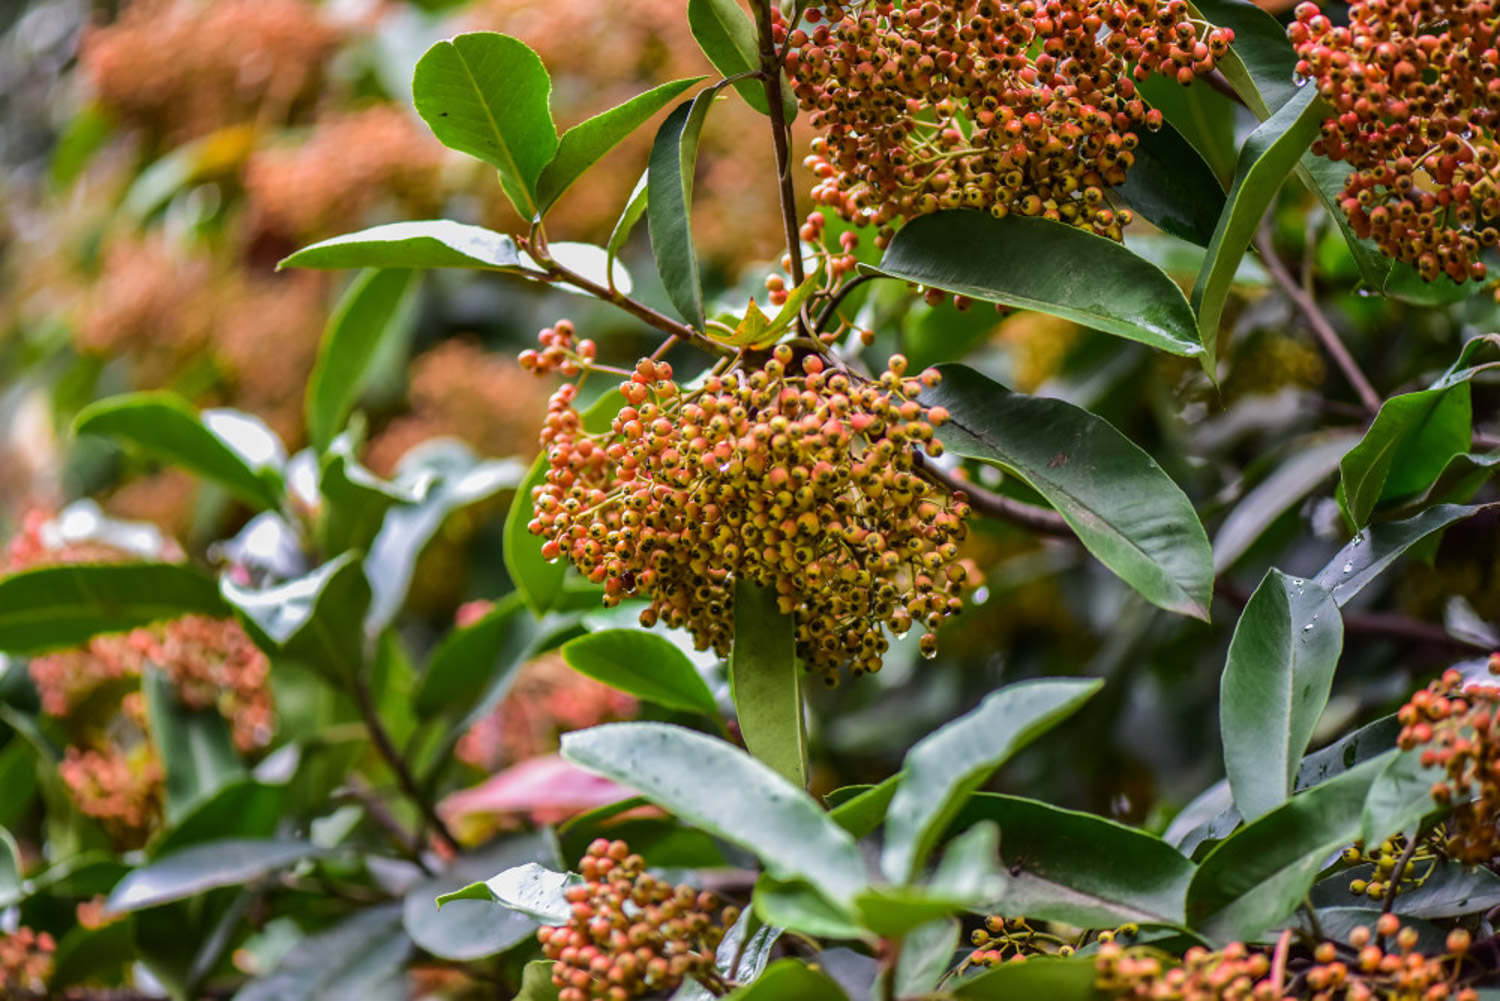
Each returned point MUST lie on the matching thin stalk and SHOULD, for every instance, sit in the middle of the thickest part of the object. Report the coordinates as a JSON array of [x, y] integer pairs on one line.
[[770, 74], [392, 757]]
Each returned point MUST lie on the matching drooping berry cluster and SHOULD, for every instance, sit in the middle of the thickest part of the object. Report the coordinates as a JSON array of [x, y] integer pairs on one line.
[[1026, 106], [807, 483], [631, 934], [1457, 727], [1415, 90]]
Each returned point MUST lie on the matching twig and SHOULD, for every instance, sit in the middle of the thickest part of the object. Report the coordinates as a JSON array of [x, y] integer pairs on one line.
[[1321, 328], [770, 69], [404, 777], [1401, 864], [1037, 519], [409, 844], [831, 309]]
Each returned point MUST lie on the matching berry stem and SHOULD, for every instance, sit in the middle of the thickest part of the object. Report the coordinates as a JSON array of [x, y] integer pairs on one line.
[[770, 72], [1398, 872], [387, 750], [1039, 520]]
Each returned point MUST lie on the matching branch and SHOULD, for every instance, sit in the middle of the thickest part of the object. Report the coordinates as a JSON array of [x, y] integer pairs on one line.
[[830, 310], [1400, 871], [409, 844], [986, 502], [1323, 330], [392, 757], [770, 71]]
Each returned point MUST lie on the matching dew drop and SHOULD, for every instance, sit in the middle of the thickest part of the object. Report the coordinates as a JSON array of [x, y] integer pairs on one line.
[[1365, 293], [1307, 628], [1349, 567]]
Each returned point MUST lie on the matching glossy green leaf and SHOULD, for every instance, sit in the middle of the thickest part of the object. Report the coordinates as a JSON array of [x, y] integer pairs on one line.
[[1268, 156], [1309, 465], [465, 930], [1202, 116], [1276, 682], [195, 746], [487, 95], [767, 682], [635, 207], [1125, 509], [1410, 442], [1447, 889], [1173, 187], [355, 500], [1399, 798], [925, 956], [241, 808], [1255, 878], [1063, 865], [374, 308], [1070, 979], [529, 888], [742, 955], [725, 791], [315, 619], [944, 768], [362, 958], [669, 204], [1374, 549], [164, 426], [797, 906], [861, 814], [582, 145], [203, 867], [63, 606], [469, 659], [430, 243], [1050, 267], [728, 37], [10, 869], [644, 665], [536, 982], [790, 980], [893, 912]]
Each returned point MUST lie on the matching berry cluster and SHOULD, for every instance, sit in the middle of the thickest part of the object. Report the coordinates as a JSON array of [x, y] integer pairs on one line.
[[807, 483], [1457, 726], [631, 934], [1415, 90], [1026, 106], [25, 960], [1385, 860], [1002, 940]]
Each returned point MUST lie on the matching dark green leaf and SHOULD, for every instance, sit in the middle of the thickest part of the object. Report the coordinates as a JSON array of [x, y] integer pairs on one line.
[[63, 606], [468, 660], [372, 309], [644, 665], [464, 929], [431, 243], [1256, 878], [1070, 979], [359, 959], [240, 809], [741, 956], [194, 744], [1399, 798], [1202, 116], [669, 204], [1172, 186], [789, 980], [1125, 509], [203, 867], [1374, 549], [861, 814], [925, 956], [164, 426], [536, 982], [1276, 682], [487, 94], [1047, 266], [893, 912], [1447, 889], [355, 500], [767, 682], [1413, 437], [1268, 156], [635, 207], [582, 145], [315, 619], [729, 39], [943, 769], [529, 888], [723, 790], [795, 905], [10, 869]]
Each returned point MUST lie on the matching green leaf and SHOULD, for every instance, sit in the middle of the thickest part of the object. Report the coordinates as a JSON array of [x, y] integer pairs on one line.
[[669, 204], [536, 982], [635, 207], [241, 808], [797, 906], [1276, 682], [1268, 156], [741, 956], [355, 500], [530, 888], [1410, 442], [64, 606], [723, 790], [466, 930], [1053, 978], [315, 619], [374, 308], [1173, 187], [194, 744], [767, 683], [1125, 509], [1254, 879], [644, 665], [1202, 116], [487, 94], [166, 427], [790, 980], [861, 814], [582, 145], [1062, 865], [431, 243], [1399, 798], [362, 958], [1374, 549], [893, 912], [925, 956], [1050, 267], [1309, 465], [944, 768], [203, 867], [469, 660], [10, 870], [1448, 889], [729, 39]]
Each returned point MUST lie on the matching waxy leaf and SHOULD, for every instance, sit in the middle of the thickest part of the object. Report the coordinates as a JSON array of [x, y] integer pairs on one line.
[[1410, 442], [1202, 116], [1400, 797], [635, 207], [1050, 267], [716, 786], [1276, 682], [741, 956], [473, 929], [669, 204], [944, 768], [790, 980], [314, 619], [469, 658], [63, 606], [728, 37], [582, 145], [1124, 508], [196, 748], [861, 813], [1374, 549], [432, 243], [203, 867], [926, 955], [530, 888], [644, 665], [359, 959], [767, 683], [1050, 977], [796, 906], [1267, 158], [166, 427], [1172, 186], [486, 94], [374, 308]]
